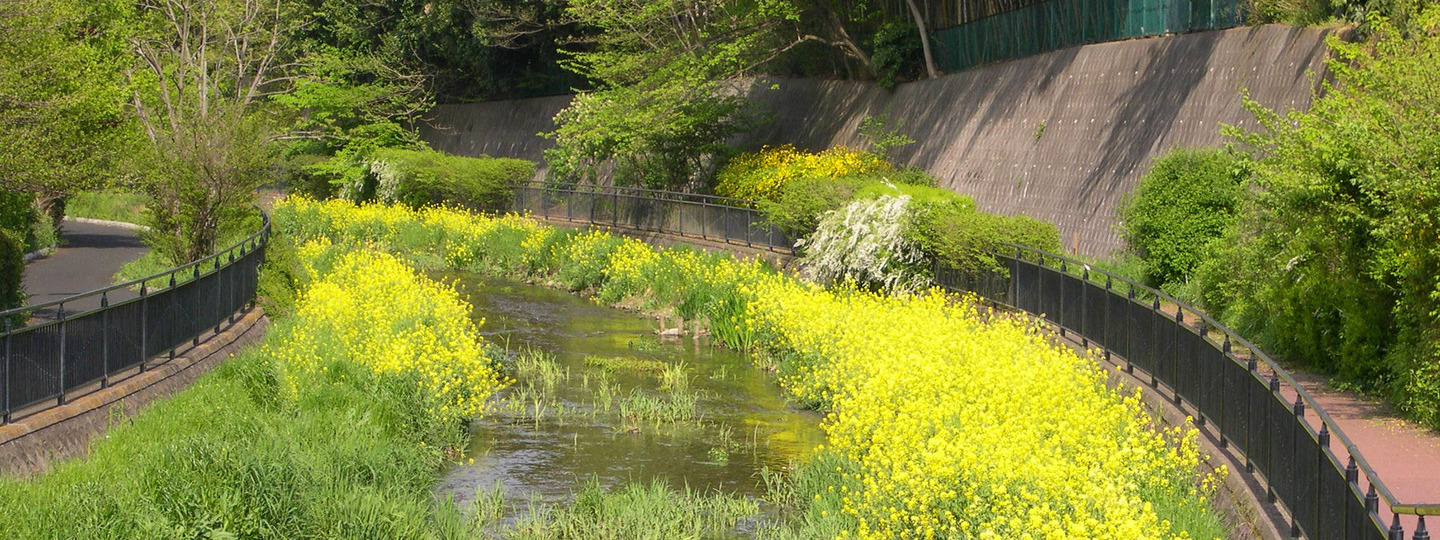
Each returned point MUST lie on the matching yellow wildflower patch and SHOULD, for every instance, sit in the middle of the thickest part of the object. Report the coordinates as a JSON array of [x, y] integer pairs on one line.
[[372, 310], [760, 175]]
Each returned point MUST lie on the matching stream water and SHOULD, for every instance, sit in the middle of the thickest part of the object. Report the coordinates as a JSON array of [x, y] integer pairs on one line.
[[743, 423]]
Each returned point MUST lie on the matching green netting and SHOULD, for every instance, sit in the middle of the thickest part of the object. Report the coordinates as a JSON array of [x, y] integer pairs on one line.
[[1058, 24]]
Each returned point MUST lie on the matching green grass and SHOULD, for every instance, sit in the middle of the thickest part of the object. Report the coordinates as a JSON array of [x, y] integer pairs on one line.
[[109, 206], [636, 512], [230, 456]]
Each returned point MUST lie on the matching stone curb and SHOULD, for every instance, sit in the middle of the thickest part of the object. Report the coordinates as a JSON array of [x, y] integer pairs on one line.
[[39, 254]]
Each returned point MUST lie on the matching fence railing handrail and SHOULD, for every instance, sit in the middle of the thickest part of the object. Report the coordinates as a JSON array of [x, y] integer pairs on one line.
[[248, 241], [716, 200], [1257, 357]]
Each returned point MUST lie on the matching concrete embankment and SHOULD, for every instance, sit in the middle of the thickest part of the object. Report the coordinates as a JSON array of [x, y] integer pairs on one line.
[[1061, 136]]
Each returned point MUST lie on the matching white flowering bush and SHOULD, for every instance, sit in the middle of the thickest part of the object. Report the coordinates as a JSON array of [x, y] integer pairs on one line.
[[865, 242]]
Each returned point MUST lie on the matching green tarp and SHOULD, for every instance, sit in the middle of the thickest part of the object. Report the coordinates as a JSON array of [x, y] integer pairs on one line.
[[1058, 24]]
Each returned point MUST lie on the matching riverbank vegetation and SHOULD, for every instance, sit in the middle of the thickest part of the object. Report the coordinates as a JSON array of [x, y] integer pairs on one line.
[[1318, 242], [335, 426], [859, 218], [941, 418]]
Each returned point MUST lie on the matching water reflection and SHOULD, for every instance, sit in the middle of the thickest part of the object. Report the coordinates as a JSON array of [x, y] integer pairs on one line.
[[745, 422]]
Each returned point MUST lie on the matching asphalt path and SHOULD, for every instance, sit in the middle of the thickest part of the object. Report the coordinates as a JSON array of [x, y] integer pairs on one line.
[[88, 258]]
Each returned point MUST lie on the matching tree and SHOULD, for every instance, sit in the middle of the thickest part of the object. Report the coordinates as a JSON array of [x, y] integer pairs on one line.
[[919, 18], [205, 69], [663, 108], [61, 95]]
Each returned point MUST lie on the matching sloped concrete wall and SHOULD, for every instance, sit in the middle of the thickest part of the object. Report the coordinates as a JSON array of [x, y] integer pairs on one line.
[[1107, 111]]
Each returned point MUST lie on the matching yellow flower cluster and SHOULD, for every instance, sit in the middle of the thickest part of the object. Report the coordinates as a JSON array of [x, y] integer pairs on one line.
[[372, 310], [762, 174], [958, 423], [968, 427]]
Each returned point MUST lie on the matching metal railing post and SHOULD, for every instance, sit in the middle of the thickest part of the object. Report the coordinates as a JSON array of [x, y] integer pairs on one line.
[[60, 315], [8, 366], [1064, 273], [144, 332], [104, 340]]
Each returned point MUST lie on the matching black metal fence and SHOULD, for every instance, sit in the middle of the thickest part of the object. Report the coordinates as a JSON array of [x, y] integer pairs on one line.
[[720, 219], [1259, 411], [55, 357]]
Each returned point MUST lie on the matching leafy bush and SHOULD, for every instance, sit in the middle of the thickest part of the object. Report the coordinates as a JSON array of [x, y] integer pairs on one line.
[[898, 54], [12, 270], [418, 178], [950, 228], [762, 175], [1185, 201], [18, 215]]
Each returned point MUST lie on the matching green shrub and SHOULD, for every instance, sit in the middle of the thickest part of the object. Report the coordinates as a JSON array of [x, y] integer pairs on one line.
[[898, 55], [18, 215], [418, 178], [12, 270], [310, 175], [1184, 202], [802, 202]]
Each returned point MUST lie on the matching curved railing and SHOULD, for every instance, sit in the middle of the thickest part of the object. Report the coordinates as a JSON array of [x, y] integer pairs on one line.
[[86, 341], [708, 217], [1258, 409]]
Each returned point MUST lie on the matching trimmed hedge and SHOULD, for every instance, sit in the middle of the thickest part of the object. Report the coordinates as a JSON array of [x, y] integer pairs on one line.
[[419, 178]]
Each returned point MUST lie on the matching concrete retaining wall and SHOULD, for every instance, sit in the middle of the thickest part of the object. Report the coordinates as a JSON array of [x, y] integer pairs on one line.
[[1107, 110]]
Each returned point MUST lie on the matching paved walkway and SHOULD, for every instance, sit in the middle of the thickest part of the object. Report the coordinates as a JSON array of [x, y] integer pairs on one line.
[[88, 258], [1405, 455]]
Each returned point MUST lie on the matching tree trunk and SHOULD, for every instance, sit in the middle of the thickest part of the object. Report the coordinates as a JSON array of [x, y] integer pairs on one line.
[[843, 39], [924, 38]]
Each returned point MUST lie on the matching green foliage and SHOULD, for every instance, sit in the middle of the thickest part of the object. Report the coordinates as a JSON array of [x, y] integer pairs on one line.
[[1318, 12], [1336, 261], [419, 178], [281, 279], [62, 91], [952, 230], [882, 136], [1185, 201], [637, 511], [663, 109], [108, 205], [898, 54], [12, 270], [18, 215]]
